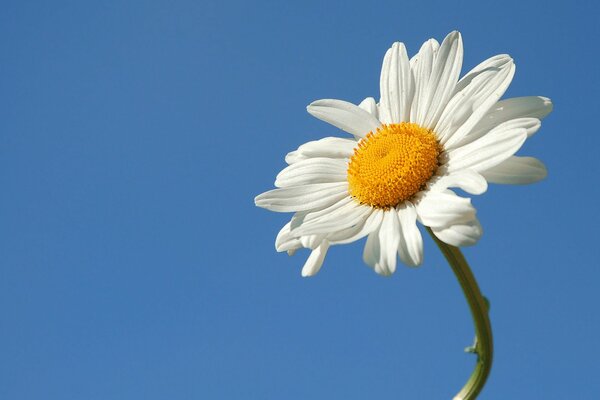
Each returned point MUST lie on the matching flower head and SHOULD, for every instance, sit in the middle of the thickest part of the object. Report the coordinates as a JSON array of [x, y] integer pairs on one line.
[[429, 132]]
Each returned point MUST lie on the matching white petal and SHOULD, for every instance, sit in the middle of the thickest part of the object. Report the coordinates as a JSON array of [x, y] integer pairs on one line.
[[313, 170], [389, 240], [517, 171], [305, 217], [358, 231], [493, 63], [285, 241], [396, 85], [372, 251], [301, 198], [382, 245], [410, 248], [344, 217], [330, 147], [346, 116], [505, 110], [370, 106], [422, 66], [475, 94], [442, 209], [466, 234], [489, 150], [311, 241], [315, 260], [431, 42], [444, 75], [465, 179], [530, 124]]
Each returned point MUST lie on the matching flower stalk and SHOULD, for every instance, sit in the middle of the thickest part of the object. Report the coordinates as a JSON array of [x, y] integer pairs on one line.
[[479, 306]]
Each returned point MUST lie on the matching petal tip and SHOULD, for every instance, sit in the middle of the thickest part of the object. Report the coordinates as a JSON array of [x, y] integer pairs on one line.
[[454, 35], [543, 171], [548, 103]]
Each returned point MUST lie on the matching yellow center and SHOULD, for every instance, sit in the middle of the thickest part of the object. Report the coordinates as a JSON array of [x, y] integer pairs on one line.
[[392, 164]]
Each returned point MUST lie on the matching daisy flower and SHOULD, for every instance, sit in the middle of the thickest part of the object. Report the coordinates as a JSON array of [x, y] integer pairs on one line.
[[430, 132]]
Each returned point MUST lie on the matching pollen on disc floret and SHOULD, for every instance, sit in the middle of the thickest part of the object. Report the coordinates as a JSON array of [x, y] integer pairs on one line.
[[392, 164]]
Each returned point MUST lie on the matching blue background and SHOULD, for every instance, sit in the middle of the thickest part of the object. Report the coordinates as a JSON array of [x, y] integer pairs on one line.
[[134, 264]]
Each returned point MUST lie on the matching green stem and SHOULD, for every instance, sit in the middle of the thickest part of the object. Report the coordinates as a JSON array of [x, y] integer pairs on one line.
[[478, 304]]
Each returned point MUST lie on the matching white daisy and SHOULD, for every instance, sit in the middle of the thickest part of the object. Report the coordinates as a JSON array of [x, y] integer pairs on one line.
[[429, 132]]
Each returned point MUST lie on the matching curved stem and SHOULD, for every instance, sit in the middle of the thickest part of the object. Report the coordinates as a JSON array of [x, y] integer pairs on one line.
[[478, 304]]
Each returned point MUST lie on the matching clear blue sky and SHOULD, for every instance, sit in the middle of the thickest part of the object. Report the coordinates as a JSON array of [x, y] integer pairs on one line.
[[134, 136]]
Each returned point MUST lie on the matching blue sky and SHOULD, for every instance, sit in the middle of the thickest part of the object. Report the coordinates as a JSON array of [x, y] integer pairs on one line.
[[134, 264]]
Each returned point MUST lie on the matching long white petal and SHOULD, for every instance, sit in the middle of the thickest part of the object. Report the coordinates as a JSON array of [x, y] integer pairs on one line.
[[330, 147], [382, 245], [410, 248], [301, 198], [431, 42], [442, 209], [313, 170], [372, 250], [306, 217], [465, 179], [343, 218], [315, 260], [346, 116], [475, 94], [389, 239], [489, 150], [465, 234], [517, 171], [509, 109], [422, 66], [396, 85], [358, 231], [443, 79]]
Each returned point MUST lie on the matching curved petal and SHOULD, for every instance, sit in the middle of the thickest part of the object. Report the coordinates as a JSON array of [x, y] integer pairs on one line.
[[370, 106], [510, 109], [493, 63], [517, 171], [442, 81], [465, 234], [389, 239], [312, 170], [358, 231], [301, 198], [344, 217], [468, 180], [285, 241], [305, 217], [396, 85], [531, 126], [330, 147], [422, 66], [434, 44], [315, 260], [489, 150], [346, 116], [311, 241], [443, 209], [372, 250], [382, 245], [475, 94], [410, 248]]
